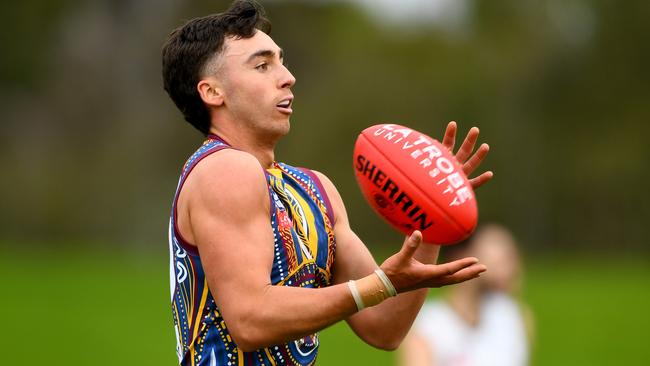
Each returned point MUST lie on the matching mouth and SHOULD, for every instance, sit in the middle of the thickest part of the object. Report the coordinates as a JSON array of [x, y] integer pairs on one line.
[[284, 106]]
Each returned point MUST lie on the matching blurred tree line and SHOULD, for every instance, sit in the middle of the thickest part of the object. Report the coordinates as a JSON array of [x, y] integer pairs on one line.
[[91, 146]]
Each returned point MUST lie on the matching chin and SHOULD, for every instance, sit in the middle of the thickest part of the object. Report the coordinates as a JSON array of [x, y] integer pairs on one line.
[[275, 132], [284, 128]]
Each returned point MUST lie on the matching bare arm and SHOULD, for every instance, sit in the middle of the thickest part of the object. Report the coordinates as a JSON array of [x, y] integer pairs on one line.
[[228, 207], [386, 324], [225, 206]]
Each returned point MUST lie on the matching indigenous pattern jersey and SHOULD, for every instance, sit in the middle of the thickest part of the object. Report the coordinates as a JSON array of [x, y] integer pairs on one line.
[[302, 222]]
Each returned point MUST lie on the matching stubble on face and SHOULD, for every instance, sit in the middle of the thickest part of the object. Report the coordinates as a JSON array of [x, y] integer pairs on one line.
[[250, 97]]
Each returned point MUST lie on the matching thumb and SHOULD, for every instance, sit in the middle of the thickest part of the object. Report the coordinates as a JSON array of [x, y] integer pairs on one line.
[[411, 244]]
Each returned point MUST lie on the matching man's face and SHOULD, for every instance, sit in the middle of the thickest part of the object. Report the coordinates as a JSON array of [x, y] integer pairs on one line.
[[256, 85], [499, 254]]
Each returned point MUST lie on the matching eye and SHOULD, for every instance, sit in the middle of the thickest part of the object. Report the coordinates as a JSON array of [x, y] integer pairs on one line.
[[262, 66]]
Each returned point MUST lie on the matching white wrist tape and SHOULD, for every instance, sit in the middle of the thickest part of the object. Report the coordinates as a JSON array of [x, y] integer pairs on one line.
[[386, 281], [355, 295]]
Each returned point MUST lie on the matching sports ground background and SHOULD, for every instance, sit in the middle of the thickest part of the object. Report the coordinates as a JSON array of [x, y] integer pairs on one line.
[[91, 147]]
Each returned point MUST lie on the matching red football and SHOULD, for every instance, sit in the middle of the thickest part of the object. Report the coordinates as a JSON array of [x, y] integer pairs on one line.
[[415, 183]]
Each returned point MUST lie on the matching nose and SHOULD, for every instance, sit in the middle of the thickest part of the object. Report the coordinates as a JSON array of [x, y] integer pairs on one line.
[[287, 80]]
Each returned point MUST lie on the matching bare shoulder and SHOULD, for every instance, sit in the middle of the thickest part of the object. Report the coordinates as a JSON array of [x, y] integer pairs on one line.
[[224, 178], [235, 163]]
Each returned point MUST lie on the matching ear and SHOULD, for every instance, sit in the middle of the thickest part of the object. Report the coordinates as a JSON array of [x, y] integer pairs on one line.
[[210, 91]]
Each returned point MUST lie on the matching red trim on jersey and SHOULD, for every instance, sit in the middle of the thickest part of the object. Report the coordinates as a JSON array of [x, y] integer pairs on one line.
[[212, 136]]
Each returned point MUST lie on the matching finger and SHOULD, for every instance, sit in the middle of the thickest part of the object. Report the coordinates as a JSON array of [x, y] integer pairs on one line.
[[476, 159], [449, 269], [463, 275], [411, 244], [481, 179], [467, 146], [449, 140]]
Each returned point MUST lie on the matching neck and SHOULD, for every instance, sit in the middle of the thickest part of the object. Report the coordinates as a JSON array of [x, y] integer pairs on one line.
[[261, 149], [465, 299]]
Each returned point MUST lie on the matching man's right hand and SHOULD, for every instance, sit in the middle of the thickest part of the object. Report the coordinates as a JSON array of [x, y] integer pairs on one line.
[[406, 273]]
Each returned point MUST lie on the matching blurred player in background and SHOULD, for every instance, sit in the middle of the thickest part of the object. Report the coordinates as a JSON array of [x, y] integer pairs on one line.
[[476, 323], [262, 256]]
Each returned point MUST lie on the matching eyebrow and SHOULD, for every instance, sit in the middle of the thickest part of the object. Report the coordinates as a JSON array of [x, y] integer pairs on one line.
[[264, 53]]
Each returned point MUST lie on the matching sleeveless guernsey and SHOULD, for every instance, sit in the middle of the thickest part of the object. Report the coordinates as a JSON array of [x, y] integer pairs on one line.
[[302, 222]]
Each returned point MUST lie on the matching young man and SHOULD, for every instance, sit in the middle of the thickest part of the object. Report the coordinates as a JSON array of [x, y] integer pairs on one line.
[[262, 256]]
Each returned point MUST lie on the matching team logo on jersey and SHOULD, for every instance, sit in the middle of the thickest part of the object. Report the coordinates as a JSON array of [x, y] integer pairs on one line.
[[307, 345]]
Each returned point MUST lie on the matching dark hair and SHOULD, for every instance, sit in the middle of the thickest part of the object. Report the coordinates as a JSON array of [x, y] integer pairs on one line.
[[189, 47]]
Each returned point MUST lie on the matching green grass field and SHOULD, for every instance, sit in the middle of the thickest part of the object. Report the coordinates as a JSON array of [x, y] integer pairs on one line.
[[102, 309]]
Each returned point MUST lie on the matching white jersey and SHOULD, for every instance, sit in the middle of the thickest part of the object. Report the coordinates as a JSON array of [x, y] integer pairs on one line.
[[498, 340]]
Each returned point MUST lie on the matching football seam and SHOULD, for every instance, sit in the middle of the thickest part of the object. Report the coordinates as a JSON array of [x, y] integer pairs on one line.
[[449, 218]]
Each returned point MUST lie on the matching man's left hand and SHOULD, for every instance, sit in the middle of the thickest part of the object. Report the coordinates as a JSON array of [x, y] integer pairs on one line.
[[470, 161]]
